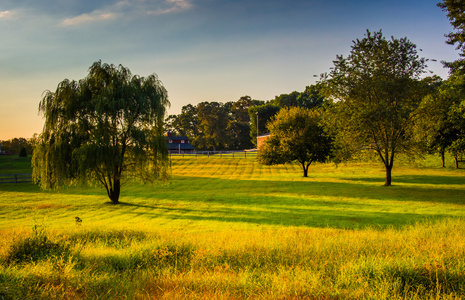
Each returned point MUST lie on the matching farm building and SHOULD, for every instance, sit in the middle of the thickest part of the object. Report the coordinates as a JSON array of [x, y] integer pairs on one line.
[[261, 139], [178, 144]]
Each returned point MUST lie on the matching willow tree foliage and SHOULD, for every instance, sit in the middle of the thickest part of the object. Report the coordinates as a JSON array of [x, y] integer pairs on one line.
[[376, 91], [105, 128], [296, 135]]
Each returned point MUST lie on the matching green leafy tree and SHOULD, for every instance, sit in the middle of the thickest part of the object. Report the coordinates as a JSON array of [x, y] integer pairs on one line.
[[238, 129], [376, 92], [296, 135], [453, 91], [105, 128], [312, 97], [186, 123], [213, 121], [438, 125], [287, 100], [456, 13]]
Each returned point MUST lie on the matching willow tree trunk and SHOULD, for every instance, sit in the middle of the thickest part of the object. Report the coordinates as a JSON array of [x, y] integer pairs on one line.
[[115, 191]]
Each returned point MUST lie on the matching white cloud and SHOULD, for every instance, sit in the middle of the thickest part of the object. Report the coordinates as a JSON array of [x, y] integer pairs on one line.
[[7, 14], [130, 9], [88, 18], [173, 6]]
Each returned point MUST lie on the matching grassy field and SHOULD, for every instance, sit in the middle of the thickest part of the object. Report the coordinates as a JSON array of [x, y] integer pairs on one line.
[[228, 228]]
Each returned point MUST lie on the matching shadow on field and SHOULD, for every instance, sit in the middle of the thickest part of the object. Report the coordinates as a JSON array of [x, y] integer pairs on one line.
[[313, 215], [315, 202], [239, 191], [294, 203], [414, 179]]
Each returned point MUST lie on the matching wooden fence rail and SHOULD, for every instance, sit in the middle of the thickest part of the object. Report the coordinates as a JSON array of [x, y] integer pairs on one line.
[[231, 154], [16, 178]]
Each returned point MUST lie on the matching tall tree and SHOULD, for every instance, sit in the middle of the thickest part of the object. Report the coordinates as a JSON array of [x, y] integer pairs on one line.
[[213, 118], [238, 130], [438, 126], [456, 13], [376, 92], [453, 92], [312, 96], [296, 135], [104, 128]]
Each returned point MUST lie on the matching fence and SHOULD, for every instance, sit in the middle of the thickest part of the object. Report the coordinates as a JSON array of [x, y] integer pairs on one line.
[[226, 154], [16, 178]]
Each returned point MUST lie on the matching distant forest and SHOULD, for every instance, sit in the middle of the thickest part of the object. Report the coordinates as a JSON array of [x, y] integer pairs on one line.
[[233, 125]]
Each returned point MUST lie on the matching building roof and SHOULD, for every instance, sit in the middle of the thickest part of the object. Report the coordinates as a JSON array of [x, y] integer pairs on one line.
[[176, 138], [263, 135]]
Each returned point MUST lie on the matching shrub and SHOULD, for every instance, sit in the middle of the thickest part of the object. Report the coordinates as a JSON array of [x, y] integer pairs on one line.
[[23, 152], [36, 247]]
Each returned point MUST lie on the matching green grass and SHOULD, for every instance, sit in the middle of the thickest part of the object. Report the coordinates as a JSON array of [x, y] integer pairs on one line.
[[13, 164], [227, 228]]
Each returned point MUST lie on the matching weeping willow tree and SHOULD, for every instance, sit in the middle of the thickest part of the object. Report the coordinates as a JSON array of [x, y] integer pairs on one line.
[[104, 129]]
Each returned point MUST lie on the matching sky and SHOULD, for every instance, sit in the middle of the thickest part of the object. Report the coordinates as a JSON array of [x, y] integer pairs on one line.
[[201, 50]]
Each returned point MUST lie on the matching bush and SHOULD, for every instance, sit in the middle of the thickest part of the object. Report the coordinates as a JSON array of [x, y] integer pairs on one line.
[[23, 152], [36, 247]]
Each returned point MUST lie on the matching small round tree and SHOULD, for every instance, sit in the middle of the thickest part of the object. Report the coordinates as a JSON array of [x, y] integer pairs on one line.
[[23, 152], [295, 135], [105, 128]]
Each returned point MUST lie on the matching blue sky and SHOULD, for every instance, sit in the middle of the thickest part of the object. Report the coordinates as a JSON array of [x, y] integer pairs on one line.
[[202, 50]]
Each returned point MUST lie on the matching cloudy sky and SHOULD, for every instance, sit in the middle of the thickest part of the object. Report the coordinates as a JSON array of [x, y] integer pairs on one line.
[[202, 50]]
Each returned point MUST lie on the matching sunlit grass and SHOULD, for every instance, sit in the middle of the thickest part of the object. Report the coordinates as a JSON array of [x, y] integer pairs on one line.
[[227, 228]]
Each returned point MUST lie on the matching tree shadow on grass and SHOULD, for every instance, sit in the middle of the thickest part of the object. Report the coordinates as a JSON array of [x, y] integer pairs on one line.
[[349, 204], [414, 179], [255, 191], [310, 216]]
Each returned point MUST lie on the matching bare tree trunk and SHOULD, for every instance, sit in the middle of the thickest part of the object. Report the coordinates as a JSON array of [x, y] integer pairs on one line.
[[443, 159], [456, 162]]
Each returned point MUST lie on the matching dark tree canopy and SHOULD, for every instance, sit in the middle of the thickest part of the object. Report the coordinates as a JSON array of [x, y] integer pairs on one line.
[[456, 13], [16, 145], [296, 135], [452, 124], [105, 128], [215, 125], [376, 91]]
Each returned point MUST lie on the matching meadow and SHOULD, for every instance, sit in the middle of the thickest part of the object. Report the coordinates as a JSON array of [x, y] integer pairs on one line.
[[229, 228]]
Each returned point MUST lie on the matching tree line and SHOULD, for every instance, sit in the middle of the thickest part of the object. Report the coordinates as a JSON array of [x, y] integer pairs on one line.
[[233, 125], [20, 146]]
